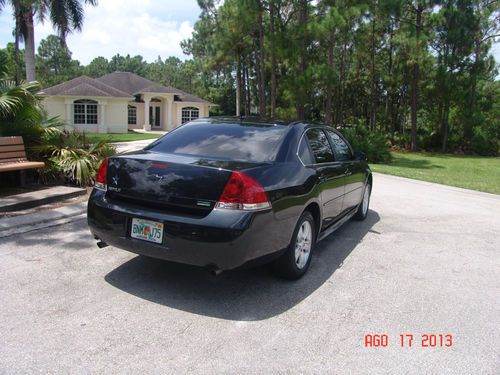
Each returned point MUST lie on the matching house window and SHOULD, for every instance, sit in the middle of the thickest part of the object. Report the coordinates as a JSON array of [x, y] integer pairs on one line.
[[132, 115], [189, 113], [85, 111]]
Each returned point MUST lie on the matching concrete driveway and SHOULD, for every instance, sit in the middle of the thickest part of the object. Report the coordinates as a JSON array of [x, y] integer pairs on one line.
[[132, 145], [426, 261]]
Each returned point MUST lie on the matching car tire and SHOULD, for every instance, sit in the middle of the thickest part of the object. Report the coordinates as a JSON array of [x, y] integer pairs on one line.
[[364, 205], [293, 264]]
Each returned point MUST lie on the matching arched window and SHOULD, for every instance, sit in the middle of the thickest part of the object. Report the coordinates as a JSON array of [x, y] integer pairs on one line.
[[132, 115], [85, 111], [189, 113]]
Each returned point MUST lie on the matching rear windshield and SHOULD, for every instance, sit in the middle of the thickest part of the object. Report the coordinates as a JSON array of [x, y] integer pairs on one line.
[[227, 141]]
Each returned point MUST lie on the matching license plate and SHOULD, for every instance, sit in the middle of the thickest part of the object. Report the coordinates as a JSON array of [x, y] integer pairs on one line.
[[147, 230]]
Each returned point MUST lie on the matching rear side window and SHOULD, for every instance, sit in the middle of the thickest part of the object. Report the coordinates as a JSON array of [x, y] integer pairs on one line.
[[226, 141], [340, 148], [305, 153], [320, 146]]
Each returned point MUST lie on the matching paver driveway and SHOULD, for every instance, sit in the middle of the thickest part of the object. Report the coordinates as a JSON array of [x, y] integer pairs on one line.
[[426, 260]]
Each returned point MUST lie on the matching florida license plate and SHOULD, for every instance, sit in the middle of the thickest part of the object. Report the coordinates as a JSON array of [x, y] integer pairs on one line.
[[147, 230]]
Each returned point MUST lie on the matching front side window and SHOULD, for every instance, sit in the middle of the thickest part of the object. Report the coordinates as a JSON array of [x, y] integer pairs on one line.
[[341, 149], [320, 146], [85, 111], [132, 115], [189, 114]]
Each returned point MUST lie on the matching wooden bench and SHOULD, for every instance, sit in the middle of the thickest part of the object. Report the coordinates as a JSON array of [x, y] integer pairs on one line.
[[13, 156]]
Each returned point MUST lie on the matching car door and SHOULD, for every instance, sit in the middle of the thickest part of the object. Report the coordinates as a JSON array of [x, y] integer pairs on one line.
[[352, 169], [329, 173]]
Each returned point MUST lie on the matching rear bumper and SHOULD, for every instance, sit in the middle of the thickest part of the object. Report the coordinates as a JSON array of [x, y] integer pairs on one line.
[[224, 239]]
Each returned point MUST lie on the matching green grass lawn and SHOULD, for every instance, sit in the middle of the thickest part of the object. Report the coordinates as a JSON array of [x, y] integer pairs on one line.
[[125, 137], [470, 172]]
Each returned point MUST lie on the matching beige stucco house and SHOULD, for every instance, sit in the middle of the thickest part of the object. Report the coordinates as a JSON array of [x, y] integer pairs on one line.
[[121, 101]]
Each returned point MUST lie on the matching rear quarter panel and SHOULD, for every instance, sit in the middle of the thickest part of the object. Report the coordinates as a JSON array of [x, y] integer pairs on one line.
[[291, 188]]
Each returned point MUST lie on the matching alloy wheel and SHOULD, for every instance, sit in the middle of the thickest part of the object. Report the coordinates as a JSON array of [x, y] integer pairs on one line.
[[303, 244]]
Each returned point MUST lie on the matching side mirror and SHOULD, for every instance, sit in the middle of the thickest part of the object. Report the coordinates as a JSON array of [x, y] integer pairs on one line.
[[360, 155]]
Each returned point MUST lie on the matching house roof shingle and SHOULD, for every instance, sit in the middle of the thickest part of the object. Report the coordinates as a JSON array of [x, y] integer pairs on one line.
[[117, 84], [134, 84], [128, 82], [85, 86]]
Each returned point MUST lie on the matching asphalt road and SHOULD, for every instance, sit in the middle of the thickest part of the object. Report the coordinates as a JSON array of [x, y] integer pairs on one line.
[[426, 261]]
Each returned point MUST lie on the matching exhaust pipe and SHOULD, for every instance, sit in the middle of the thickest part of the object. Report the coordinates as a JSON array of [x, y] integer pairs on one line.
[[101, 244], [214, 271]]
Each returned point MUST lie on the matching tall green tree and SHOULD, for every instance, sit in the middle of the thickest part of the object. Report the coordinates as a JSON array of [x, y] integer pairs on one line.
[[454, 23], [98, 67], [416, 18], [54, 62], [487, 18]]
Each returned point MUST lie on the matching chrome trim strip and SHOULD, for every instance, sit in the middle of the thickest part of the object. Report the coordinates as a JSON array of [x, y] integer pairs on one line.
[[243, 206]]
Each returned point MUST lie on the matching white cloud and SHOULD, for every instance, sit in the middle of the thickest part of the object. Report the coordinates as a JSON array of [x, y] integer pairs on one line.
[[145, 28]]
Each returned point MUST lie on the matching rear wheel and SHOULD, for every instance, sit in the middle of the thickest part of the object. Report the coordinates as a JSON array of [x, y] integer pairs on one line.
[[365, 203], [294, 263]]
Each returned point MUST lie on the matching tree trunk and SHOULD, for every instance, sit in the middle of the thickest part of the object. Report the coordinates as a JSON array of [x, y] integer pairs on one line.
[[244, 88], [471, 108], [16, 51], [238, 83], [302, 62], [262, 65], [446, 116], [247, 92], [403, 110], [273, 60], [29, 43], [372, 119], [339, 117], [415, 84], [414, 104], [328, 102], [388, 97]]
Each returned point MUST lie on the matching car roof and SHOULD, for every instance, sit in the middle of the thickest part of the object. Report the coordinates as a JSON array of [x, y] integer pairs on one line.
[[248, 120], [265, 122]]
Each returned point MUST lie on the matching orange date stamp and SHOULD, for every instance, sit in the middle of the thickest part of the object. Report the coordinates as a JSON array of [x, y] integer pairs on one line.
[[409, 340]]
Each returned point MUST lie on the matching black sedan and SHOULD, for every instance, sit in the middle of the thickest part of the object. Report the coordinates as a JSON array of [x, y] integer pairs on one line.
[[222, 193]]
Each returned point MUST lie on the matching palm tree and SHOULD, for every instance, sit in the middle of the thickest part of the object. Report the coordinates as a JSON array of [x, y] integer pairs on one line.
[[65, 15]]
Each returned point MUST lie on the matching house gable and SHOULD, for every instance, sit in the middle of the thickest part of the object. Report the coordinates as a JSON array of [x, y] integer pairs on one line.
[[85, 87]]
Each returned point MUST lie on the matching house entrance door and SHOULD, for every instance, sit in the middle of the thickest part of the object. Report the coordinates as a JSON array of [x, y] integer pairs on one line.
[[155, 116]]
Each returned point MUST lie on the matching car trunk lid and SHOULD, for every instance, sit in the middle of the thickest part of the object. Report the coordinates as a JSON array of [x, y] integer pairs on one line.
[[169, 183]]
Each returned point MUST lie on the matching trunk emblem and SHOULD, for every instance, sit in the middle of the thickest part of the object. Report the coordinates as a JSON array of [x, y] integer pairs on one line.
[[115, 180]]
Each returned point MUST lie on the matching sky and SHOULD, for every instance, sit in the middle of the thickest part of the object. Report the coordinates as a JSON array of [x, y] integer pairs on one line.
[[149, 28]]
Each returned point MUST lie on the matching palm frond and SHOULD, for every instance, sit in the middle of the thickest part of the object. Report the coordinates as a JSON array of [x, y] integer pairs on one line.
[[13, 97]]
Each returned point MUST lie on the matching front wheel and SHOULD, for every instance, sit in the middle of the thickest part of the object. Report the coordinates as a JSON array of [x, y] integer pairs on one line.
[[365, 203], [294, 263]]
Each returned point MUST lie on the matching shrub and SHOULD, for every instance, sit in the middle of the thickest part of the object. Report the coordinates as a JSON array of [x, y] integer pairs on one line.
[[484, 142], [70, 156], [374, 144]]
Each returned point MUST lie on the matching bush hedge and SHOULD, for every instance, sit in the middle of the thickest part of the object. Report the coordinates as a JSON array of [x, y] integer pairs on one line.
[[373, 143]]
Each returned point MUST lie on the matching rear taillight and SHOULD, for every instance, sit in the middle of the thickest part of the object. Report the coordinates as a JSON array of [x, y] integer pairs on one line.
[[242, 192], [101, 176]]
